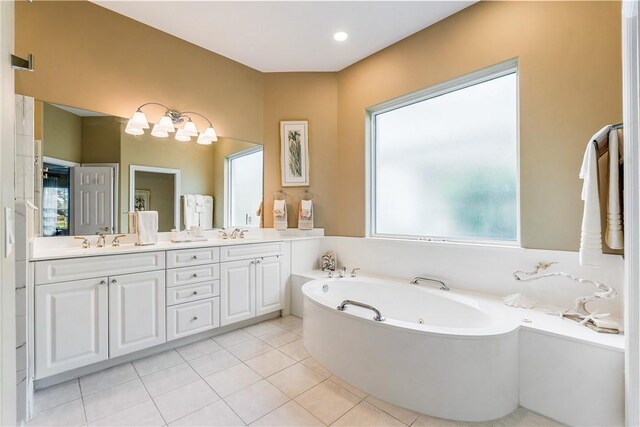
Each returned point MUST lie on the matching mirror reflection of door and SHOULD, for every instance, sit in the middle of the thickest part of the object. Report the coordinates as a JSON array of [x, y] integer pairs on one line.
[[156, 192], [244, 179]]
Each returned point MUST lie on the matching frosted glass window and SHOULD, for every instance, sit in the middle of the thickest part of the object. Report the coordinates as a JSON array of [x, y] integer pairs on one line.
[[245, 189], [445, 167]]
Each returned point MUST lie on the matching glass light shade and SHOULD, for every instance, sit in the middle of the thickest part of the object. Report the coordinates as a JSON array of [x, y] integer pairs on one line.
[[138, 121], [210, 134], [180, 136], [133, 130], [202, 139], [159, 132], [165, 124], [190, 129]]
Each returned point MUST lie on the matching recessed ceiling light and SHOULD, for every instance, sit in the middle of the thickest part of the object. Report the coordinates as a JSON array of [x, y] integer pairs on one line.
[[340, 36]]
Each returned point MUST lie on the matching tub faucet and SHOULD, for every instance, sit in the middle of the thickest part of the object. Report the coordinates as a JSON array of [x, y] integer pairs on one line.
[[443, 286], [354, 272], [342, 272]]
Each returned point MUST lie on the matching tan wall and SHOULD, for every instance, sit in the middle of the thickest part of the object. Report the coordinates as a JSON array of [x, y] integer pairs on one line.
[[161, 199], [222, 149], [101, 139], [91, 58], [61, 132], [312, 97], [569, 87], [194, 161]]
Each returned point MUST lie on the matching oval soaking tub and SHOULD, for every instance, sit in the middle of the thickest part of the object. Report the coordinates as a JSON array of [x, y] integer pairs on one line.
[[436, 352]]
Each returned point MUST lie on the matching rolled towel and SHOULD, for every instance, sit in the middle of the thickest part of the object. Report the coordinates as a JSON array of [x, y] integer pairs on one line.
[[147, 227], [199, 201], [280, 214]]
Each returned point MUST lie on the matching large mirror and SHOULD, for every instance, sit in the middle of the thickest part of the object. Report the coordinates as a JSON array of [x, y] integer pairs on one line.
[[93, 174]]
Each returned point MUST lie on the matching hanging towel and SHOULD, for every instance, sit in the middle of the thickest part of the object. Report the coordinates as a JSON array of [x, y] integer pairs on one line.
[[147, 227], [259, 215], [133, 222], [191, 217], [206, 216], [614, 231], [199, 199], [305, 217], [280, 214], [591, 234]]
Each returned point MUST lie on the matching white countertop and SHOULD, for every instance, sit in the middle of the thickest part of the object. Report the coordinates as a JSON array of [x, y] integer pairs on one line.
[[48, 248]]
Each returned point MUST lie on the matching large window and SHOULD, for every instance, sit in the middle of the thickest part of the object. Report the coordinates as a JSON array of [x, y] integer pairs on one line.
[[445, 162]]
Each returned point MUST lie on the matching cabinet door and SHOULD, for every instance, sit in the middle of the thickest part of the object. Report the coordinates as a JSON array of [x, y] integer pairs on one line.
[[71, 325], [269, 286], [237, 291], [136, 312]]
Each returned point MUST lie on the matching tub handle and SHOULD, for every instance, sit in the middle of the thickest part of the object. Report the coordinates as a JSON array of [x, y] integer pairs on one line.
[[378, 316]]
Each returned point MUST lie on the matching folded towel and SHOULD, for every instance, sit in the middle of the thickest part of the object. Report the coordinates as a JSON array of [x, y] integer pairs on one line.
[[147, 227], [280, 214], [191, 217], [614, 231], [206, 215], [305, 216], [189, 200], [591, 234]]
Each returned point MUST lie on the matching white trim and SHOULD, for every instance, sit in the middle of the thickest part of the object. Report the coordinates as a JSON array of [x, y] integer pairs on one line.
[[631, 112], [176, 188], [116, 192], [477, 77], [59, 162]]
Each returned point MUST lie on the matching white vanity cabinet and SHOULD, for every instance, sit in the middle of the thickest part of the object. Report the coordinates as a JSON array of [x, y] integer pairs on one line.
[[251, 287], [71, 325], [136, 312]]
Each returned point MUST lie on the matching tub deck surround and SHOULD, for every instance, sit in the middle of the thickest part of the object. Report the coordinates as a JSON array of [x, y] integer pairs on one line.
[[473, 358]]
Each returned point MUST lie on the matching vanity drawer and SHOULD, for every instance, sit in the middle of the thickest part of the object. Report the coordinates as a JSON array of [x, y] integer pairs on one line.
[[193, 317], [240, 252], [189, 275], [185, 257], [195, 292], [64, 270]]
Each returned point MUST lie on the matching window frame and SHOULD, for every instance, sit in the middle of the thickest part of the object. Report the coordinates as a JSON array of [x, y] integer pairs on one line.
[[228, 167], [471, 79]]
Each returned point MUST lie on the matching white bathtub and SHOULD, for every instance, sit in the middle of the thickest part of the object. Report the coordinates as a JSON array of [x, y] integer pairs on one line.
[[437, 352]]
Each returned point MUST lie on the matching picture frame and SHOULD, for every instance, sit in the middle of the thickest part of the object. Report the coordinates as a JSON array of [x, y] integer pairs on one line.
[[294, 149], [142, 200]]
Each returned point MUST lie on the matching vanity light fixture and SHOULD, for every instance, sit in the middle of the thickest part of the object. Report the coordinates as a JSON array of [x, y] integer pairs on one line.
[[168, 123], [340, 36]]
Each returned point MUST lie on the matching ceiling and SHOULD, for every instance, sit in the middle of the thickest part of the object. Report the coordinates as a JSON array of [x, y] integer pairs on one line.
[[273, 36]]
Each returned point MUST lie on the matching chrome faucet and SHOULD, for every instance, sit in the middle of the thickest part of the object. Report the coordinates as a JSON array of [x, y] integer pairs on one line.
[[342, 272], [443, 286], [354, 272], [102, 234], [235, 234], [116, 240], [85, 242]]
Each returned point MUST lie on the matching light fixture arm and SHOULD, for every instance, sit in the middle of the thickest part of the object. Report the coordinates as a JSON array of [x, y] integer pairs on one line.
[[185, 113]]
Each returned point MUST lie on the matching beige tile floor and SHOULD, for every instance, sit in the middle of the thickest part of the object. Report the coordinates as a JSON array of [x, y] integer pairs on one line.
[[260, 376]]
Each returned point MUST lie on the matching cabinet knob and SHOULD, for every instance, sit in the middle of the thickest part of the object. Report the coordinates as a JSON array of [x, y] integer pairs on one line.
[[194, 257], [195, 292], [103, 282], [195, 274], [253, 261], [114, 281], [195, 317], [258, 261]]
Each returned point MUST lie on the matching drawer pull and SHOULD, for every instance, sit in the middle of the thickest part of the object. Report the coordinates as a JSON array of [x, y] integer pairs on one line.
[[195, 317], [194, 257], [114, 281], [195, 274], [195, 292]]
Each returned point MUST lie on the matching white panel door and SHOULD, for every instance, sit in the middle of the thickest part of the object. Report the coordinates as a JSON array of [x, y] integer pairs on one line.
[[71, 325], [92, 201], [136, 312], [269, 286], [237, 291]]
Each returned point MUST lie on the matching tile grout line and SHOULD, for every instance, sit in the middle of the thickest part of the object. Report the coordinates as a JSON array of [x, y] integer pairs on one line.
[[84, 409], [147, 390]]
